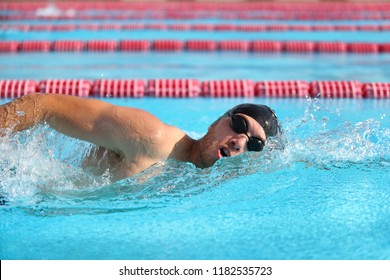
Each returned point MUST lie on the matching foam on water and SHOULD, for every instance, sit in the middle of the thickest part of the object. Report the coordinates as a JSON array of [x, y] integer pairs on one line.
[[324, 139], [41, 169]]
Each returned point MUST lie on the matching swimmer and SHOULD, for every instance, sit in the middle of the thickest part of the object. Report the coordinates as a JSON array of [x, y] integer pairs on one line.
[[129, 140]]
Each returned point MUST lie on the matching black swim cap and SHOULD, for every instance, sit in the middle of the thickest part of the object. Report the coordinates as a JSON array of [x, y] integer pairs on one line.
[[263, 114]]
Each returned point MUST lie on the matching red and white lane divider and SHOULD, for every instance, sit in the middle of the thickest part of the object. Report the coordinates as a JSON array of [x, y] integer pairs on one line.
[[118, 88], [318, 10], [68, 87], [17, 88], [228, 88], [201, 6], [199, 27], [376, 90], [185, 88], [336, 89], [173, 88], [282, 88], [194, 45]]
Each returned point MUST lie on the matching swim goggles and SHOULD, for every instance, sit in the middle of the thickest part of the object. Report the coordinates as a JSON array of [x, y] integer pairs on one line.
[[240, 125]]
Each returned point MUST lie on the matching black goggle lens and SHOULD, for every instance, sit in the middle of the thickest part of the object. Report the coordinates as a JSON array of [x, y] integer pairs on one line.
[[240, 126]]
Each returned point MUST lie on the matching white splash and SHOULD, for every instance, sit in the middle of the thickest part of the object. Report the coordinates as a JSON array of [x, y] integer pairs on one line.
[[50, 11]]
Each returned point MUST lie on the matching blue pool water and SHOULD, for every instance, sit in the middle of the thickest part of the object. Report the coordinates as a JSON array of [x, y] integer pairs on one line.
[[203, 66], [361, 36], [325, 196]]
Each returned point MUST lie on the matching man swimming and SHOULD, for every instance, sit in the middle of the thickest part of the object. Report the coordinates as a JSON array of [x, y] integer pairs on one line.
[[129, 140]]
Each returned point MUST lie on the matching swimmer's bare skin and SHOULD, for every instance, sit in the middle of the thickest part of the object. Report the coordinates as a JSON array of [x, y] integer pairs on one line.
[[128, 140]]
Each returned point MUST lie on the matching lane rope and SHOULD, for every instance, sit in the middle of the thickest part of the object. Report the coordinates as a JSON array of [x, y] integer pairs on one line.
[[204, 6], [199, 10], [280, 27], [191, 88], [194, 45]]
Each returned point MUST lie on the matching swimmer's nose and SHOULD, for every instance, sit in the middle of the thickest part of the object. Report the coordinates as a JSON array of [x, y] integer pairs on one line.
[[237, 145]]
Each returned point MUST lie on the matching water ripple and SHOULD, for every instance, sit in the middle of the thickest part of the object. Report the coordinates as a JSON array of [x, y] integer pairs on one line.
[[40, 170]]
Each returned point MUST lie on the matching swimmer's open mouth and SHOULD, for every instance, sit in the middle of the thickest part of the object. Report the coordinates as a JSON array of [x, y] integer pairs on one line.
[[223, 153]]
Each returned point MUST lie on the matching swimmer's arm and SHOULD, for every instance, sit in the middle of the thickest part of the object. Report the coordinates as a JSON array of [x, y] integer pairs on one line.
[[91, 120], [22, 113]]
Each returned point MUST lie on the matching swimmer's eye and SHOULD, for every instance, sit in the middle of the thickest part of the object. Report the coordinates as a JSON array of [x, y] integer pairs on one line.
[[239, 125]]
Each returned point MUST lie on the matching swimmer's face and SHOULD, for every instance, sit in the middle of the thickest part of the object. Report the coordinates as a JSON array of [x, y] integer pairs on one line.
[[223, 140]]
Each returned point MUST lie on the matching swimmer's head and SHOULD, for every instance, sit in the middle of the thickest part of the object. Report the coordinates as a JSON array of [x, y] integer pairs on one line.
[[245, 127], [263, 114]]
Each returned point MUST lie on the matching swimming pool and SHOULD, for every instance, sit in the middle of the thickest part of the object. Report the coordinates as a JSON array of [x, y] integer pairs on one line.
[[325, 196]]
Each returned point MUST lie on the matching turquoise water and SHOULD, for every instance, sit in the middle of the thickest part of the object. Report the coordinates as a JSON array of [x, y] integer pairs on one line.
[[357, 36], [202, 66], [325, 196]]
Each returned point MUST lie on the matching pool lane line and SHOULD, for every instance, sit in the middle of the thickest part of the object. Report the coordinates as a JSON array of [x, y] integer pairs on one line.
[[192, 88], [194, 45], [225, 27]]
